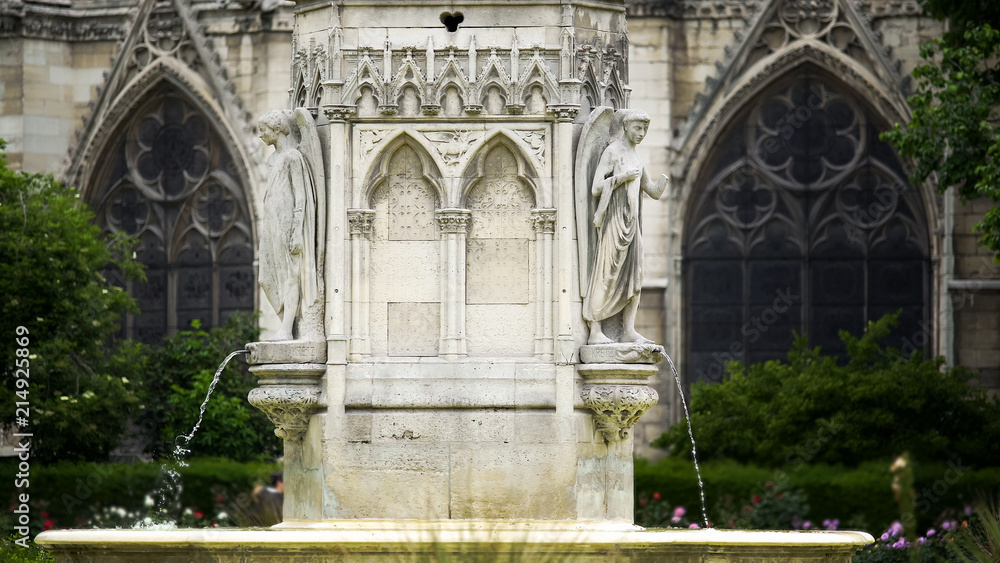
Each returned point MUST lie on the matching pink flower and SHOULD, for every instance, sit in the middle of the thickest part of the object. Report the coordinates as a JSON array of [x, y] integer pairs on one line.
[[900, 544], [679, 512], [931, 532], [694, 526], [656, 495]]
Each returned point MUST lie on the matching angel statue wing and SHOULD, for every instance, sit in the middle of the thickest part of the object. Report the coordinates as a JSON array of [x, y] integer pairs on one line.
[[312, 152], [601, 128]]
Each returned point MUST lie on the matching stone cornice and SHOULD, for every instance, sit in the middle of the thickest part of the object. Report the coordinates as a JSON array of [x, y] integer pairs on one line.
[[690, 9], [66, 23], [726, 9]]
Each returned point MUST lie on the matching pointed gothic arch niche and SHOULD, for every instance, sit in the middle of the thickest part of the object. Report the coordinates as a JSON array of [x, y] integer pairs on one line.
[[168, 178], [801, 220], [405, 292], [500, 270]]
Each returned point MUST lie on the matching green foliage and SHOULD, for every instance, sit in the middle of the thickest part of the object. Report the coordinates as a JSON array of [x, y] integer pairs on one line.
[[74, 495], [980, 542], [51, 258], [14, 553], [955, 127], [810, 409], [859, 497], [179, 374]]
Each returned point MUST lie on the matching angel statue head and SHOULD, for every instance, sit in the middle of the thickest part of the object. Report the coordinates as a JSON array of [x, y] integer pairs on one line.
[[292, 227], [277, 122]]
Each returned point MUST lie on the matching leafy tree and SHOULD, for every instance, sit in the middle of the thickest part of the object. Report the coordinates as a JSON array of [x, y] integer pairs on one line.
[[955, 129], [810, 409], [179, 374], [81, 388]]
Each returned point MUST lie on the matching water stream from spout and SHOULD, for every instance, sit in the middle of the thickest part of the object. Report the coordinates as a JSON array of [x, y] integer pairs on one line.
[[180, 450], [694, 449], [168, 493]]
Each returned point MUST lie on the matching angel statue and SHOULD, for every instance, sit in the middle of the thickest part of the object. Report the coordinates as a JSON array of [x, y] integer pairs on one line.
[[292, 232], [609, 182]]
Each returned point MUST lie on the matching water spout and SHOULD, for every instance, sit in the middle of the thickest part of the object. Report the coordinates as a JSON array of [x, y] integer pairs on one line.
[[694, 450]]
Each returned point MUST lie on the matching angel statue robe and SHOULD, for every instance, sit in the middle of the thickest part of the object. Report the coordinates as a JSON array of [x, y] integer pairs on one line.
[[289, 212], [616, 276]]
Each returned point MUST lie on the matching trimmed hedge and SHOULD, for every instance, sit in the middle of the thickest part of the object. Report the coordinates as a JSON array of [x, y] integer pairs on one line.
[[860, 496], [71, 493]]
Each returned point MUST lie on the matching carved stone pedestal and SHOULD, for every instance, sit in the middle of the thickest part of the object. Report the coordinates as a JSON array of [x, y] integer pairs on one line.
[[289, 374], [616, 385]]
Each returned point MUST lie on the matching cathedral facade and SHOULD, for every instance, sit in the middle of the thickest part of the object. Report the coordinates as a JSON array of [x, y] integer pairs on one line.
[[786, 212]]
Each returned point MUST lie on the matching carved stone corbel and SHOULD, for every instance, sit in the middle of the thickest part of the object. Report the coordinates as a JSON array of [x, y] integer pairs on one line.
[[289, 393], [617, 408], [616, 385]]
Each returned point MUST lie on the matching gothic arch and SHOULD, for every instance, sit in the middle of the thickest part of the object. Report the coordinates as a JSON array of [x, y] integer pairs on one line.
[[798, 197], [526, 166], [888, 104], [167, 173], [378, 172], [162, 75]]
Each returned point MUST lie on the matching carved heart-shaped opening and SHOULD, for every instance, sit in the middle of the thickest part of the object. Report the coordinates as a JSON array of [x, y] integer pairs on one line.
[[451, 20]]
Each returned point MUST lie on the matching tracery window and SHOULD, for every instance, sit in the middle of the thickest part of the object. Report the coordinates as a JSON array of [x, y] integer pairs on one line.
[[806, 223], [168, 179]]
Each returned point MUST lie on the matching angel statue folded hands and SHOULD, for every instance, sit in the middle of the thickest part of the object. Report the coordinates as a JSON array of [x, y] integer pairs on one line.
[[292, 233], [611, 243]]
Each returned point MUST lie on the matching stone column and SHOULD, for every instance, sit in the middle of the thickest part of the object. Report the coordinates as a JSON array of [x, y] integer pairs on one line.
[[454, 226], [544, 223], [565, 347], [360, 221], [338, 149]]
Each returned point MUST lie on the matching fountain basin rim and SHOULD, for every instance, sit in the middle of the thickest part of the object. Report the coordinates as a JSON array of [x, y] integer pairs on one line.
[[363, 532]]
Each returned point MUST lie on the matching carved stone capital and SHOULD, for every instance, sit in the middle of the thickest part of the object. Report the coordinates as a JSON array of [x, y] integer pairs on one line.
[[288, 407], [339, 112], [430, 109], [564, 112], [617, 407], [388, 110], [453, 220], [360, 221], [543, 220]]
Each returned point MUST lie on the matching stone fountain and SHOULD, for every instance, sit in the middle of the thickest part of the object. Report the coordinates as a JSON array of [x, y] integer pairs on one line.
[[450, 240]]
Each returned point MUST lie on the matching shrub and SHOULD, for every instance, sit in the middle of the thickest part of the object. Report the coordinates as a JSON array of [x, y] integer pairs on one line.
[[73, 495], [81, 390], [811, 409], [859, 497]]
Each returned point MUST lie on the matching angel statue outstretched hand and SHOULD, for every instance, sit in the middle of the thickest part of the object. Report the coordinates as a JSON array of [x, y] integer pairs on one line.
[[292, 233], [614, 250]]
